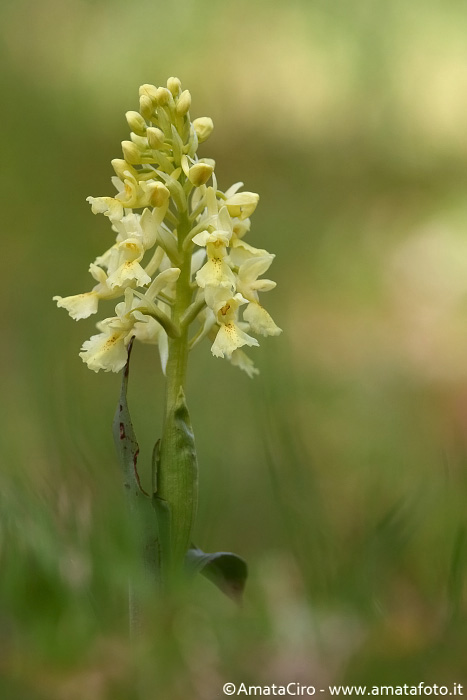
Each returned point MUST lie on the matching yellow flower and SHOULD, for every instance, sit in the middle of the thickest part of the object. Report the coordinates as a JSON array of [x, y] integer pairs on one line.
[[216, 272], [126, 264], [230, 336], [107, 350]]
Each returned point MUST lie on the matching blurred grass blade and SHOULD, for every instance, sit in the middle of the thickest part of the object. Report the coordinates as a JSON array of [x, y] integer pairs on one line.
[[226, 570], [457, 573], [162, 515]]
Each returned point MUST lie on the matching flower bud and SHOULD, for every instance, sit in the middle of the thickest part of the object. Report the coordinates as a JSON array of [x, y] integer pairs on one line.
[[200, 173], [121, 166], [162, 96], [148, 90], [159, 194], [146, 106], [155, 137], [140, 141], [136, 123], [131, 152], [175, 86], [203, 127], [184, 103]]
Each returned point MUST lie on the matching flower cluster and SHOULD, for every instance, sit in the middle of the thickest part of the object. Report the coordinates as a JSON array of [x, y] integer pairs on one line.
[[180, 254]]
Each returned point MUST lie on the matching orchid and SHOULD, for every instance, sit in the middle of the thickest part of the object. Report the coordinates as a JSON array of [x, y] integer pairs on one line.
[[182, 273]]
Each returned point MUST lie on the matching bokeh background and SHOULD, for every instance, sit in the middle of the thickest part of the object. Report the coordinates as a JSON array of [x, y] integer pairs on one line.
[[340, 472]]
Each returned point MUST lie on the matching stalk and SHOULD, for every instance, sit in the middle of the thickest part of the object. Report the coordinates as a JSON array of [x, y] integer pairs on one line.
[[177, 478]]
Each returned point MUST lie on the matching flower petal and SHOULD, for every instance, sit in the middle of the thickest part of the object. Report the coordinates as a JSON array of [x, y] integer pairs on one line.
[[242, 204], [105, 351], [240, 252], [241, 360], [149, 227], [215, 272], [79, 305], [129, 271], [260, 321], [229, 338]]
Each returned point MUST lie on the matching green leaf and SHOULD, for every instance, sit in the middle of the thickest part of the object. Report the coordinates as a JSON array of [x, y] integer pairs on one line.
[[226, 570], [125, 439], [139, 502]]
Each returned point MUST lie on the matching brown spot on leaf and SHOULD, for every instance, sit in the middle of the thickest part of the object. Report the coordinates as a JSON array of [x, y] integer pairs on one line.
[[135, 459]]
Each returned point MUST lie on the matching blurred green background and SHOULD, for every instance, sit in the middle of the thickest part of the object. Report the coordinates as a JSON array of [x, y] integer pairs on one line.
[[340, 472]]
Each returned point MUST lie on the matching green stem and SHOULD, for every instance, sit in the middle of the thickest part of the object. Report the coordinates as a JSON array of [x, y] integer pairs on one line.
[[178, 347], [177, 471]]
